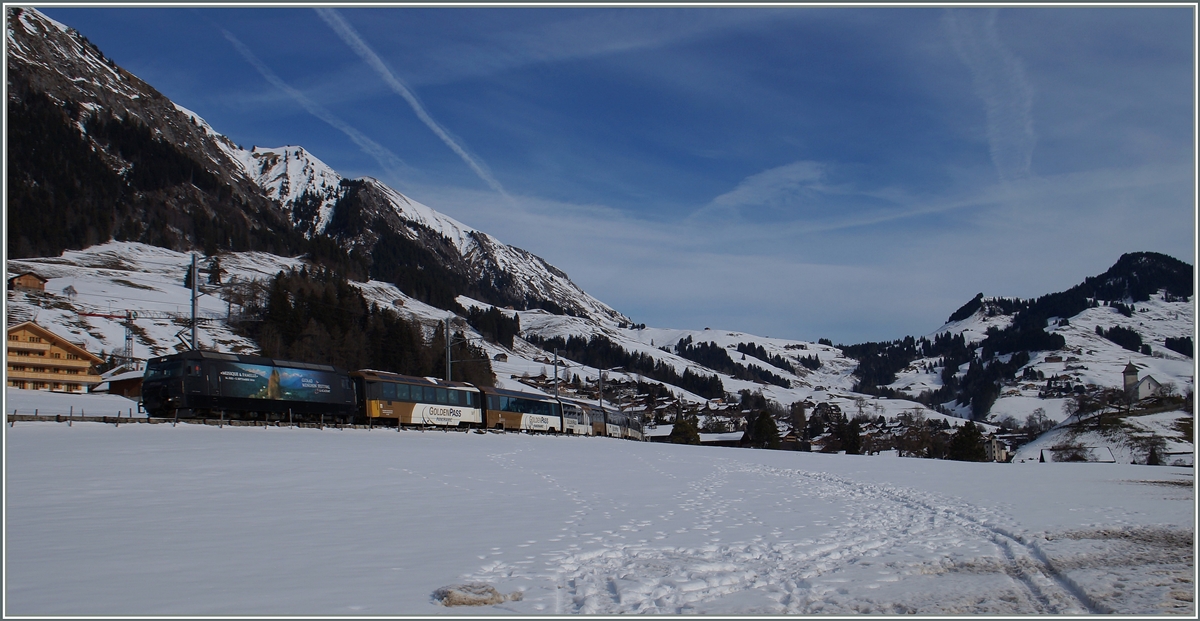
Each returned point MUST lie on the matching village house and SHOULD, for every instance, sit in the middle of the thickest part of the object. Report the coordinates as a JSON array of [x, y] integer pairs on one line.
[[27, 281], [124, 383], [39, 359], [995, 449]]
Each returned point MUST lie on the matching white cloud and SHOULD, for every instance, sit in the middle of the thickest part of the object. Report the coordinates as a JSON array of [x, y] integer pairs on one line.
[[779, 188]]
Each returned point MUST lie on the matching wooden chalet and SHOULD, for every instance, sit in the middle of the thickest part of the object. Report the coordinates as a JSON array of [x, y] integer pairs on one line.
[[27, 281], [38, 359]]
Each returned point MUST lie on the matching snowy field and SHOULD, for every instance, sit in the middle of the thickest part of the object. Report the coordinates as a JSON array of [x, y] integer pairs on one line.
[[194, 520]]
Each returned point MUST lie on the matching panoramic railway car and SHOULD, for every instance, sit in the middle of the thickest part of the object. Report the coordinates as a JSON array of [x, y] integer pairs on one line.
[[521, 411], [205, 384], [416, 401], [614, 423], [633, 428], [596, 419], [576, 417]]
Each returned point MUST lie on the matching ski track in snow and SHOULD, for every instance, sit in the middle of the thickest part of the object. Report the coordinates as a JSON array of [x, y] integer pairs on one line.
[[630, 570]]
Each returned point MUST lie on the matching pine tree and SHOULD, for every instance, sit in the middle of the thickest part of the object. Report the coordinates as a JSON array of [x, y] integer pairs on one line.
[[967, 444], [685, 431], [852, 440], [761, 432], [767, 431]]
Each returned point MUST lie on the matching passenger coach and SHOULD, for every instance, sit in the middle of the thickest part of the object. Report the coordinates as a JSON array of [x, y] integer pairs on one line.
[[419, 401], [521, 411]]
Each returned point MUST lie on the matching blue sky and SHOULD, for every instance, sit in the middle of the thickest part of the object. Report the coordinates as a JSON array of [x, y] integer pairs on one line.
[[847, 173]]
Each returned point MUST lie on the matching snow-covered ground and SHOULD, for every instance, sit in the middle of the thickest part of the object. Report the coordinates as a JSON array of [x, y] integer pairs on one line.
[[193, 520], [47, 403]]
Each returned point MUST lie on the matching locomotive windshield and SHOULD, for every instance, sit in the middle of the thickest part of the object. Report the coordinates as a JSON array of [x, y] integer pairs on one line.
[[163, 370]]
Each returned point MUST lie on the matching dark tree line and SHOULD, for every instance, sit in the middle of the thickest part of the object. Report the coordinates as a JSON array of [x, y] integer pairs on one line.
[[1182, 345], [980, 386], [495, 325], [600, 352], [61, 194], [717, 358], [319, 317], [756, 350], [1125, 337]]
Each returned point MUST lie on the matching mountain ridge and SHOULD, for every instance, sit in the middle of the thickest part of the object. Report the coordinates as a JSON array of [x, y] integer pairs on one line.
[[168, 178]]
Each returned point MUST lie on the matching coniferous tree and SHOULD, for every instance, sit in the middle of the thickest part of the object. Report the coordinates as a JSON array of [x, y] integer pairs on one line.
[[852, 439], [966, 444], [685, 431], [761, 432]]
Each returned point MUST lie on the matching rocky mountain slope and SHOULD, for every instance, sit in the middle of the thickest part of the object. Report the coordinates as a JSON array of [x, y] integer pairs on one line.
[[128, 164]]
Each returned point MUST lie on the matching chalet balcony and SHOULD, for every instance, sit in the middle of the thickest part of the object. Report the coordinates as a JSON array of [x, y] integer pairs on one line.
[[48, 376], [27, 346]]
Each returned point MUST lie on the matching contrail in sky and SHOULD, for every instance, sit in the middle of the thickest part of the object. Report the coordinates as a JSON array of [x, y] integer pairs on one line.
[[350, 36], [1001, 83], [387, 160]]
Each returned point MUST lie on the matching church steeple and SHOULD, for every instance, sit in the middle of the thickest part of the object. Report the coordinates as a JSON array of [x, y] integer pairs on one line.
[[1131, 376]]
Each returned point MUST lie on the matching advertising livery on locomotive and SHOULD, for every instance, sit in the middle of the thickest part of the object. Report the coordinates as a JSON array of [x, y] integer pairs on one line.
[[200, 383], [203, 384]]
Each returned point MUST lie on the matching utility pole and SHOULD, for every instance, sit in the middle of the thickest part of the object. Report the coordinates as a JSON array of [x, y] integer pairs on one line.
[[194, 296], [447, 348], [555, 373]]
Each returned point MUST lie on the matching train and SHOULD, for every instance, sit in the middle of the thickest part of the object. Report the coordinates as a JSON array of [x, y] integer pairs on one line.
[[205, 384]]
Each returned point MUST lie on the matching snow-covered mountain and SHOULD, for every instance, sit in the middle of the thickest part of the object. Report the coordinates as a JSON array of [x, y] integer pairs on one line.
[[182, 185]]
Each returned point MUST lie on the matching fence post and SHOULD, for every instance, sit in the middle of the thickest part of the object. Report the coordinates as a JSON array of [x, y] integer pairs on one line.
[[322, 427], [289, 418], [221, 425], [118, 425]]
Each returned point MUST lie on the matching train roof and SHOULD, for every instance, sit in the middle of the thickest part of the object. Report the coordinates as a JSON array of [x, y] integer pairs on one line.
[[263, 360], [515, 393], [580, 404], [409, 379]]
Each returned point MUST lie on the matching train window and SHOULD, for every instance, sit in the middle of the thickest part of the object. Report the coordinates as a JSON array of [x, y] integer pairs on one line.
[[453, 396], [402, 392], [429, 395], [387, 392], [165, 369], [442, 396], [493, 403]]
